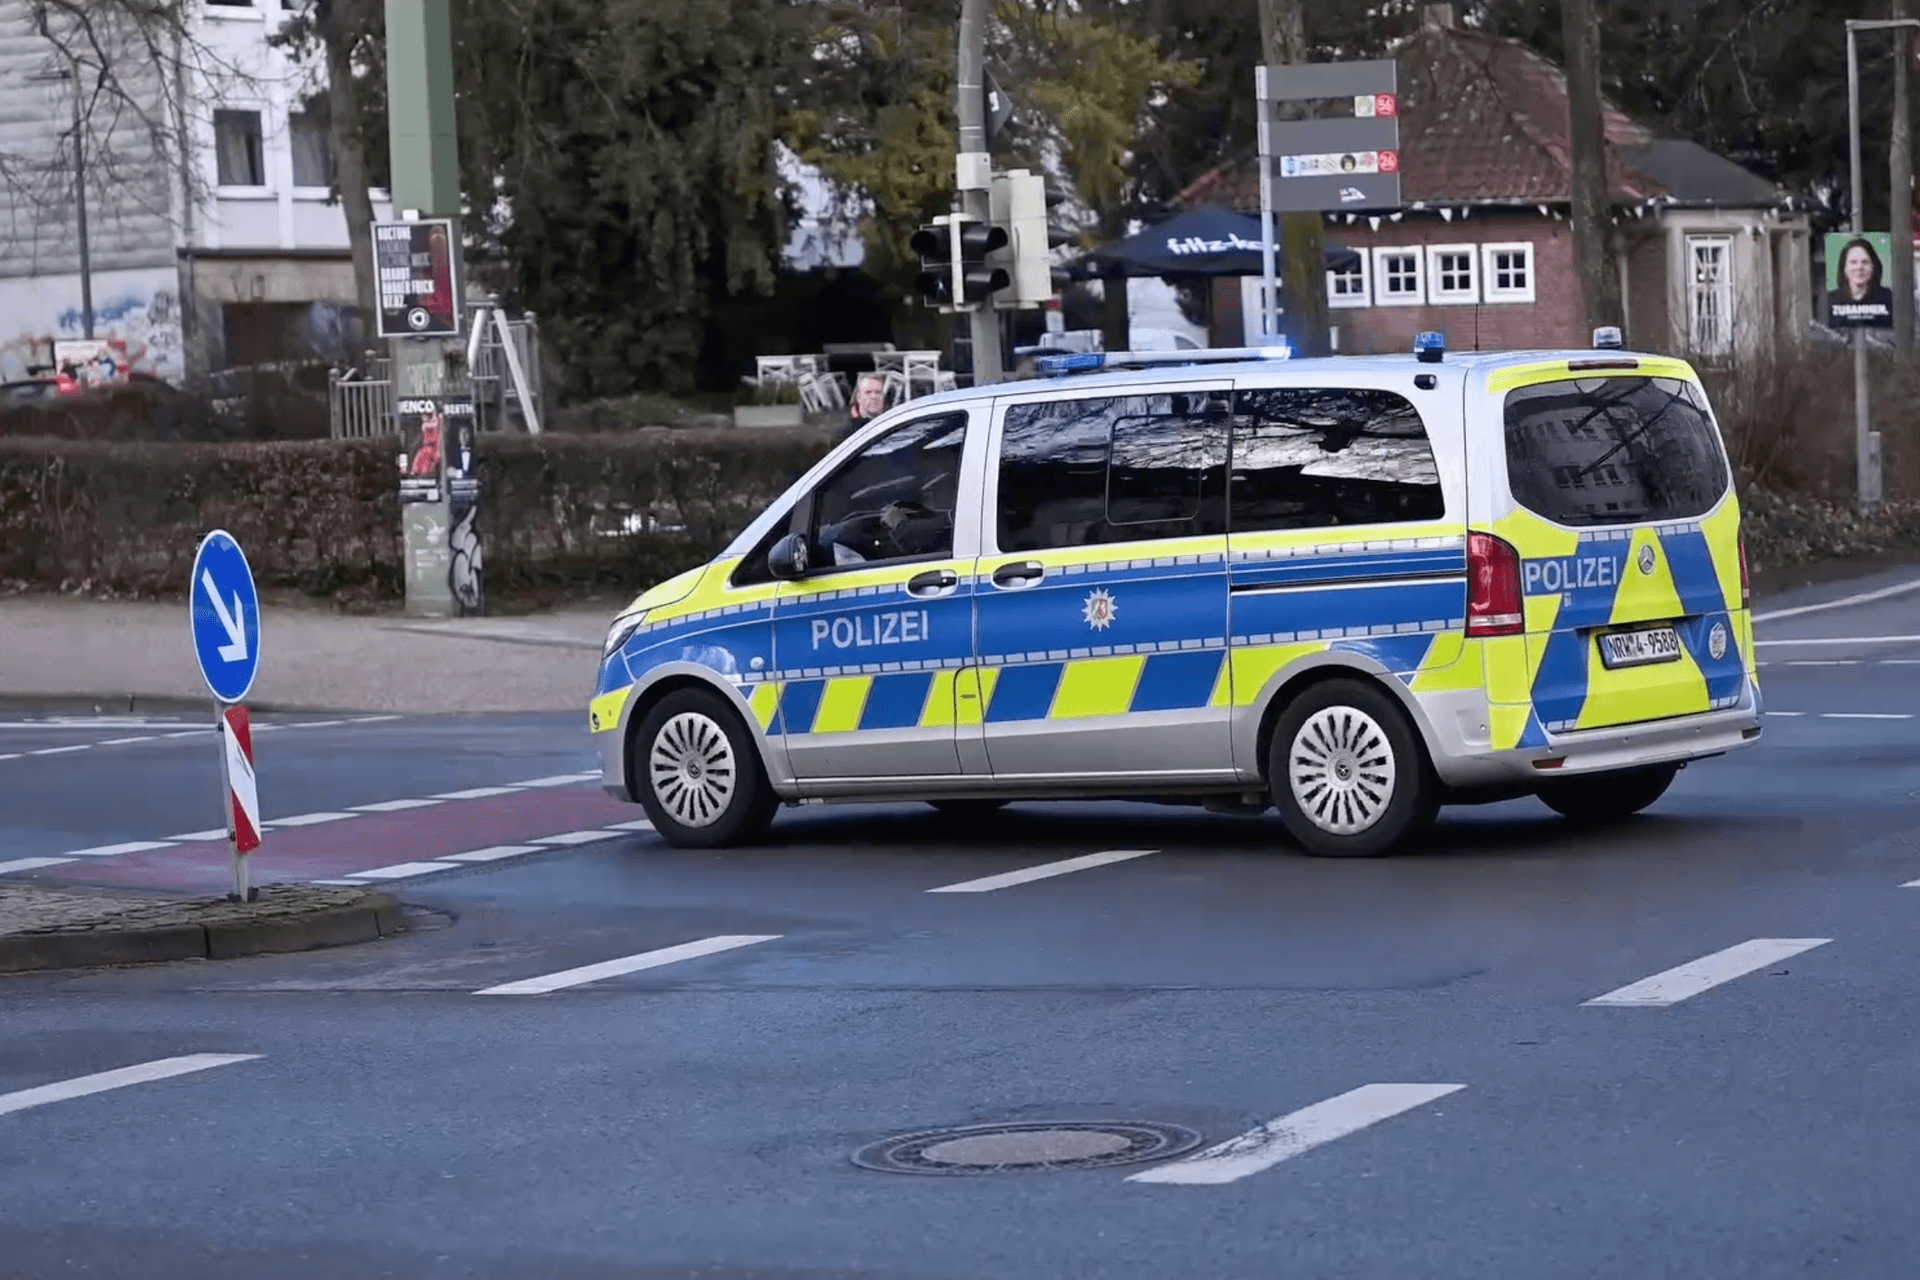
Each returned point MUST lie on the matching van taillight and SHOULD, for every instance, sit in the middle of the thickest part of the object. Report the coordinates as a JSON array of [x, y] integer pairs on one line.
[[1746, 592], [1494, 606]]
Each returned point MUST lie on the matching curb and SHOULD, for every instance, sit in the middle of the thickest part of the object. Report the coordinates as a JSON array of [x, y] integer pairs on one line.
[[379, 916]]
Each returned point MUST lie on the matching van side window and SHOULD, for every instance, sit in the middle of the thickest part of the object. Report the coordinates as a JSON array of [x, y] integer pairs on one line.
[[894, 500], [1310, 457], [1112, 469]]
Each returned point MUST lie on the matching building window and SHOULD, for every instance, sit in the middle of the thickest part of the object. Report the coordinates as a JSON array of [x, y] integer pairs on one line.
[[1508, 272], [312, 149], [1316, 457], [1452, 273], [237, 151], [1398, 278], [1710, 294], [1349, 288]]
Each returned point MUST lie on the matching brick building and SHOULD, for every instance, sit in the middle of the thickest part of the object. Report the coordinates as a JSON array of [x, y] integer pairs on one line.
[[1715, 261]]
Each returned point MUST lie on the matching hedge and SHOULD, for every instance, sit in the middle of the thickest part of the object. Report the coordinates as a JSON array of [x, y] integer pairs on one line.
[[560, 513], [123, 518]]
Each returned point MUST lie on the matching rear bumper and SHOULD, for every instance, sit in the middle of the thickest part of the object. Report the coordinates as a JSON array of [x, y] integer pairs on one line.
[[1618, 747]]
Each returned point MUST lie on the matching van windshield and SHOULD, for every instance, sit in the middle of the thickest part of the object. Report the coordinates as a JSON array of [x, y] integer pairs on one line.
[[1597, 451]]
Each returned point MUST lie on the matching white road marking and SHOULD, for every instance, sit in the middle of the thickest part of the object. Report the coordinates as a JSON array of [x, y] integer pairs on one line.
[[317, 724], [1786, 713], [372, 719], [1864, 597], [119, 1078], [1762, 644], [1866, 715], [393, 806], [131, 846], [59, 751], [1822, 662], [1688, 980], [475, 793], [573, 837], [1298, 1132], [90, 723], [309, 819], [638, 824], [401, 870], [625, 964], [187, 733], [11, 755], [121, 742], [559, 780], [218, 833], [31, 864], [494, 853], [1045, 870], [1911, 884]]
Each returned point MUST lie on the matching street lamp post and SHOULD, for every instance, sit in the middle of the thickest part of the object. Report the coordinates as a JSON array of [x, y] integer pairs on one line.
[[1865, 444]]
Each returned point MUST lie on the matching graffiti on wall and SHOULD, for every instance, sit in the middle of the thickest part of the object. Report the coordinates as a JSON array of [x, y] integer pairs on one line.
[[146, 322]]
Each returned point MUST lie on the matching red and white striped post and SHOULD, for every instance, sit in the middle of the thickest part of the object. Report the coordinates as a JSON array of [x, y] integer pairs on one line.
[[242, 797]]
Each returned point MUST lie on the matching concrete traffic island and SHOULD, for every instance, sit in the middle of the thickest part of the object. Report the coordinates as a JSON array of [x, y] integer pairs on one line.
[[64, 929]]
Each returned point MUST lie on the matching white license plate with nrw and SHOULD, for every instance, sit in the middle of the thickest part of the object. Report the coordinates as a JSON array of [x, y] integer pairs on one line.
[[1637, 648]]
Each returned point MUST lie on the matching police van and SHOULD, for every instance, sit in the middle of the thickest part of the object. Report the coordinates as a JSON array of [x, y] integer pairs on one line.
[[1349, 589]]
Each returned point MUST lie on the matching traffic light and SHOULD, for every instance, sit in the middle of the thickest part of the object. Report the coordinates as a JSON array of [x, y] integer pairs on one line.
[[978, 278], [934, 244], [1020, 201]]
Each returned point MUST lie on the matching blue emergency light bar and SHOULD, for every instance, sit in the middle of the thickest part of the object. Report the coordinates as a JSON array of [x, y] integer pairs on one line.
[[1093, 361], [1428, 347]]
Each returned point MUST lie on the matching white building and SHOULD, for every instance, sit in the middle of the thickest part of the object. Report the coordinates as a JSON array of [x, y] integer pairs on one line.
[[211, 239]]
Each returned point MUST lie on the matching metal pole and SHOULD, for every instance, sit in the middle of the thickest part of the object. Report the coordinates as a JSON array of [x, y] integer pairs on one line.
[[80, 201], [1900, 175], [1269, 282], [1862, 411], [973, 169]]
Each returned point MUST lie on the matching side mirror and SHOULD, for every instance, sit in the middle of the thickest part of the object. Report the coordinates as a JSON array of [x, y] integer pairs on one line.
[[789, 557]]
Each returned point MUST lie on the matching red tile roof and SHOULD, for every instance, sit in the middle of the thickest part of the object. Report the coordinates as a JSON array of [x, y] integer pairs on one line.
[[1483, 118]]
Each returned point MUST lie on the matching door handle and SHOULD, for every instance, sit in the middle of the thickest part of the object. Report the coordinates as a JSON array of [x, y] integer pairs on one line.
[[932, 582], [1019, 571]]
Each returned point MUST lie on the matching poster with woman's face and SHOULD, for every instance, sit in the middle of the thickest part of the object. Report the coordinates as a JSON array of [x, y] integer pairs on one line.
[[1858, 296]]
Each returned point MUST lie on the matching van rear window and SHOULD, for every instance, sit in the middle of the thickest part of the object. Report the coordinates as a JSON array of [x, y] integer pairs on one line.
[[1595, 451]]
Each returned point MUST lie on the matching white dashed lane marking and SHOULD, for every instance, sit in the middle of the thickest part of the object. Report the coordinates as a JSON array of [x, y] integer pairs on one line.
[[1045, 871], [1844, 715], [119, 1078], [625, 965], [1296, 1133], [173, 729], [1683, 982]]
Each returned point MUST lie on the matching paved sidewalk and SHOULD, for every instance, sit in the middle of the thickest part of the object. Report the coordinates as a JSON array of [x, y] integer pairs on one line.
[[310, 660]]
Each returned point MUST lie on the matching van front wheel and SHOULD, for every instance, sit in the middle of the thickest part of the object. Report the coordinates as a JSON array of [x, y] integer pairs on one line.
[[698, 774], [1347, 771], [1608, 797]]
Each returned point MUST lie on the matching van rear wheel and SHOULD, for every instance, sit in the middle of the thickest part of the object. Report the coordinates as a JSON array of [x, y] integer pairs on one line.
[[1348, 772], [1608, 797]]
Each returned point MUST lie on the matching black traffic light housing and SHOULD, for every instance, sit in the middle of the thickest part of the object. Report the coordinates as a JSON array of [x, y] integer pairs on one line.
[[979, 279], [934, 244]]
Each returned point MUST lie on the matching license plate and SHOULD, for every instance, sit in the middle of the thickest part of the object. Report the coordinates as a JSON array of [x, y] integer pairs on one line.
[[1637, 648]]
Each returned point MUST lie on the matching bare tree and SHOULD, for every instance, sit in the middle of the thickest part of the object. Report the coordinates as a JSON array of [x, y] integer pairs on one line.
[[131, 74], [1303, 261], [1599, 283]]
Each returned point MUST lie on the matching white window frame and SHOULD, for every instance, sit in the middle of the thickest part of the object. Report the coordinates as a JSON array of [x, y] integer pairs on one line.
[[1381, 296], [1350, 301], [269, 189], [1440, 296], [1721, 288], [303, 192], [1490, 290]]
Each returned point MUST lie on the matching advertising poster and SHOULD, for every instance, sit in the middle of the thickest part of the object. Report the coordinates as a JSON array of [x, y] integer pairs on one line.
[[464, 579], [413, 264], [1858, 296], [423, 434]]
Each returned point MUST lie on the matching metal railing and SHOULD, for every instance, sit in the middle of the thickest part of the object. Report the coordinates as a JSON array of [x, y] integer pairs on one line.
[[360, 398]]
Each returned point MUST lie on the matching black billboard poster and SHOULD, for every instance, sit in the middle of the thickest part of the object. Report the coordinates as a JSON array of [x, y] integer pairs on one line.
[[414, 265]]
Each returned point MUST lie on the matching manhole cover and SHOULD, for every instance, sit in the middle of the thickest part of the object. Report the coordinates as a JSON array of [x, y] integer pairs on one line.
[[1023, 1148]]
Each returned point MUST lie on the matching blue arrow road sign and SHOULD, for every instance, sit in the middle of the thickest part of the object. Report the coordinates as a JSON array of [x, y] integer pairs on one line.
[[226, 617]]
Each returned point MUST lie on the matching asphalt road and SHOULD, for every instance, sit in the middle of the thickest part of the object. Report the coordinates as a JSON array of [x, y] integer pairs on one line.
[[388, 1111]]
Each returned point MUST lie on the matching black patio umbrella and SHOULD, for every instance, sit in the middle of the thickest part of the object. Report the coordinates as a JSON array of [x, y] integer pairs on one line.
[[1202, 241]]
